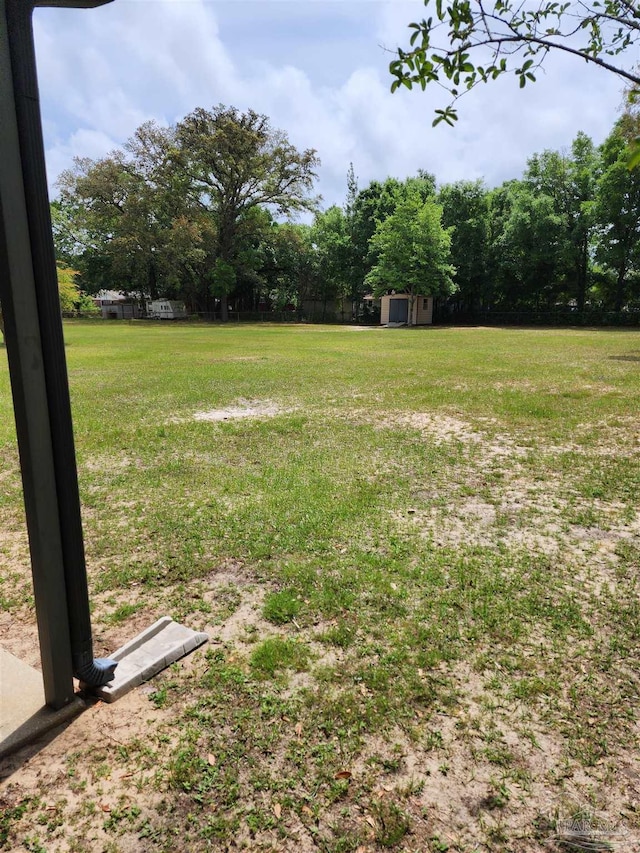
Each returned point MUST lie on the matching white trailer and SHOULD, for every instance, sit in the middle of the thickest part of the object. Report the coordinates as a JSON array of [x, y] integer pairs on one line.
[[166, 309]]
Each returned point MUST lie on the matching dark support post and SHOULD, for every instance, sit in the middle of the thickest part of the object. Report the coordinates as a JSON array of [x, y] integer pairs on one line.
[[35, 348]]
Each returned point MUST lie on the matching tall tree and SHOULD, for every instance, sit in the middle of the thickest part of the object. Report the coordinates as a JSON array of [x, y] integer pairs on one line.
[[356, 255], [125, 216], [499, 267], [413, 251], [290, 265], [333, 245], [180, 211], [374, 204], [235, 162], [583, 170], [569, 181], [530, 251], [618, 210], [465, 209]]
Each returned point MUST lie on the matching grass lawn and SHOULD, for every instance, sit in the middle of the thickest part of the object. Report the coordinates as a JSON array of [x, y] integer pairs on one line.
[[416, 553]]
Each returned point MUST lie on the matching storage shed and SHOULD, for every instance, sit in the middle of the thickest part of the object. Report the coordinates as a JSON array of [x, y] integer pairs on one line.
[[394, 310]]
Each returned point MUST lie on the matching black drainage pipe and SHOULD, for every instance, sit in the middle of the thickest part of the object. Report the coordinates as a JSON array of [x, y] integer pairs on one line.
[[93, 673]]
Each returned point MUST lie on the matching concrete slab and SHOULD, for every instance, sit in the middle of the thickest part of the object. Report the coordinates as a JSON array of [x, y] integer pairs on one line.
[[24, 717], [146, 655]]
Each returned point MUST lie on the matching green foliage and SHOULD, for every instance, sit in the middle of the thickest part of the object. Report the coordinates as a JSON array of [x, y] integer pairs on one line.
[[126, 219], [71, 297], [181, 211], [412, 250], [281, 607], [466, 212], [374, 204], [276, 653], [223, 278], [289, 266], [334, 248], [618, 213], [532, 245], [569, 181], [484, 43], [67, 288], [237, 162]]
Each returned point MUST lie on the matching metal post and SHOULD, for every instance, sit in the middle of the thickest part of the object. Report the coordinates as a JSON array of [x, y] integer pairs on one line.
[[35, 348]]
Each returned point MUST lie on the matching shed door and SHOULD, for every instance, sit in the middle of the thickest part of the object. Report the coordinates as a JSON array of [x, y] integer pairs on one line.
[[398, 310]]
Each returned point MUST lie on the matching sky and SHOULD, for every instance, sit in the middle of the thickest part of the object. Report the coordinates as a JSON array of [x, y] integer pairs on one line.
[[318, 69]]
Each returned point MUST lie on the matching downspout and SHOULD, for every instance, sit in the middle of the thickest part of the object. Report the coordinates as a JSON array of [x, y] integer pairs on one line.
[[93, 672]]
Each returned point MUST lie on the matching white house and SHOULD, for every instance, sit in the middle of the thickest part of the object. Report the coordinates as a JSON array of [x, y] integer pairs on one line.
[[114, 305]]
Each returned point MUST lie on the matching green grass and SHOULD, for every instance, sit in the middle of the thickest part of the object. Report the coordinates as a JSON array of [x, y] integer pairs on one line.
[[275, 654], [419, 576]]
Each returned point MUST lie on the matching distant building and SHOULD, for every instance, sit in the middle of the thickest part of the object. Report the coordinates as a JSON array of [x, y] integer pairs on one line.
[[115, 305], [394, 310]]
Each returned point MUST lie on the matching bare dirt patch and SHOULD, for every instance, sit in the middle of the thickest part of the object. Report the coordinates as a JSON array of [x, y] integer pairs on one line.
[[243, 409], [443, 428], [19, 635], [92, 777], [486, 775], [245, 619], [472, 522], [109, 462]]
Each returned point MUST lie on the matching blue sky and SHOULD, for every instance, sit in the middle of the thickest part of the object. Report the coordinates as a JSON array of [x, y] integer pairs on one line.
[[317, 68]]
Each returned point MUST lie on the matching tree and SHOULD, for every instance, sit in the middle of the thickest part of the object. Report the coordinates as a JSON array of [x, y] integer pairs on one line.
[[530, 251], [235, 162], [484, 42], [67, 288], [373, 204], [412, 250], [465, 209], [570, 180], [289, 269], [182, 211], [71, 297], [355, 254], [583, 172], [618, 210], [332, 241], [122, 220]]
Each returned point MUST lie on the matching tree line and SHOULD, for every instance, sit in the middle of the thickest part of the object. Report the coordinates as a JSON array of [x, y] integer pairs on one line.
[[201, 212]]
